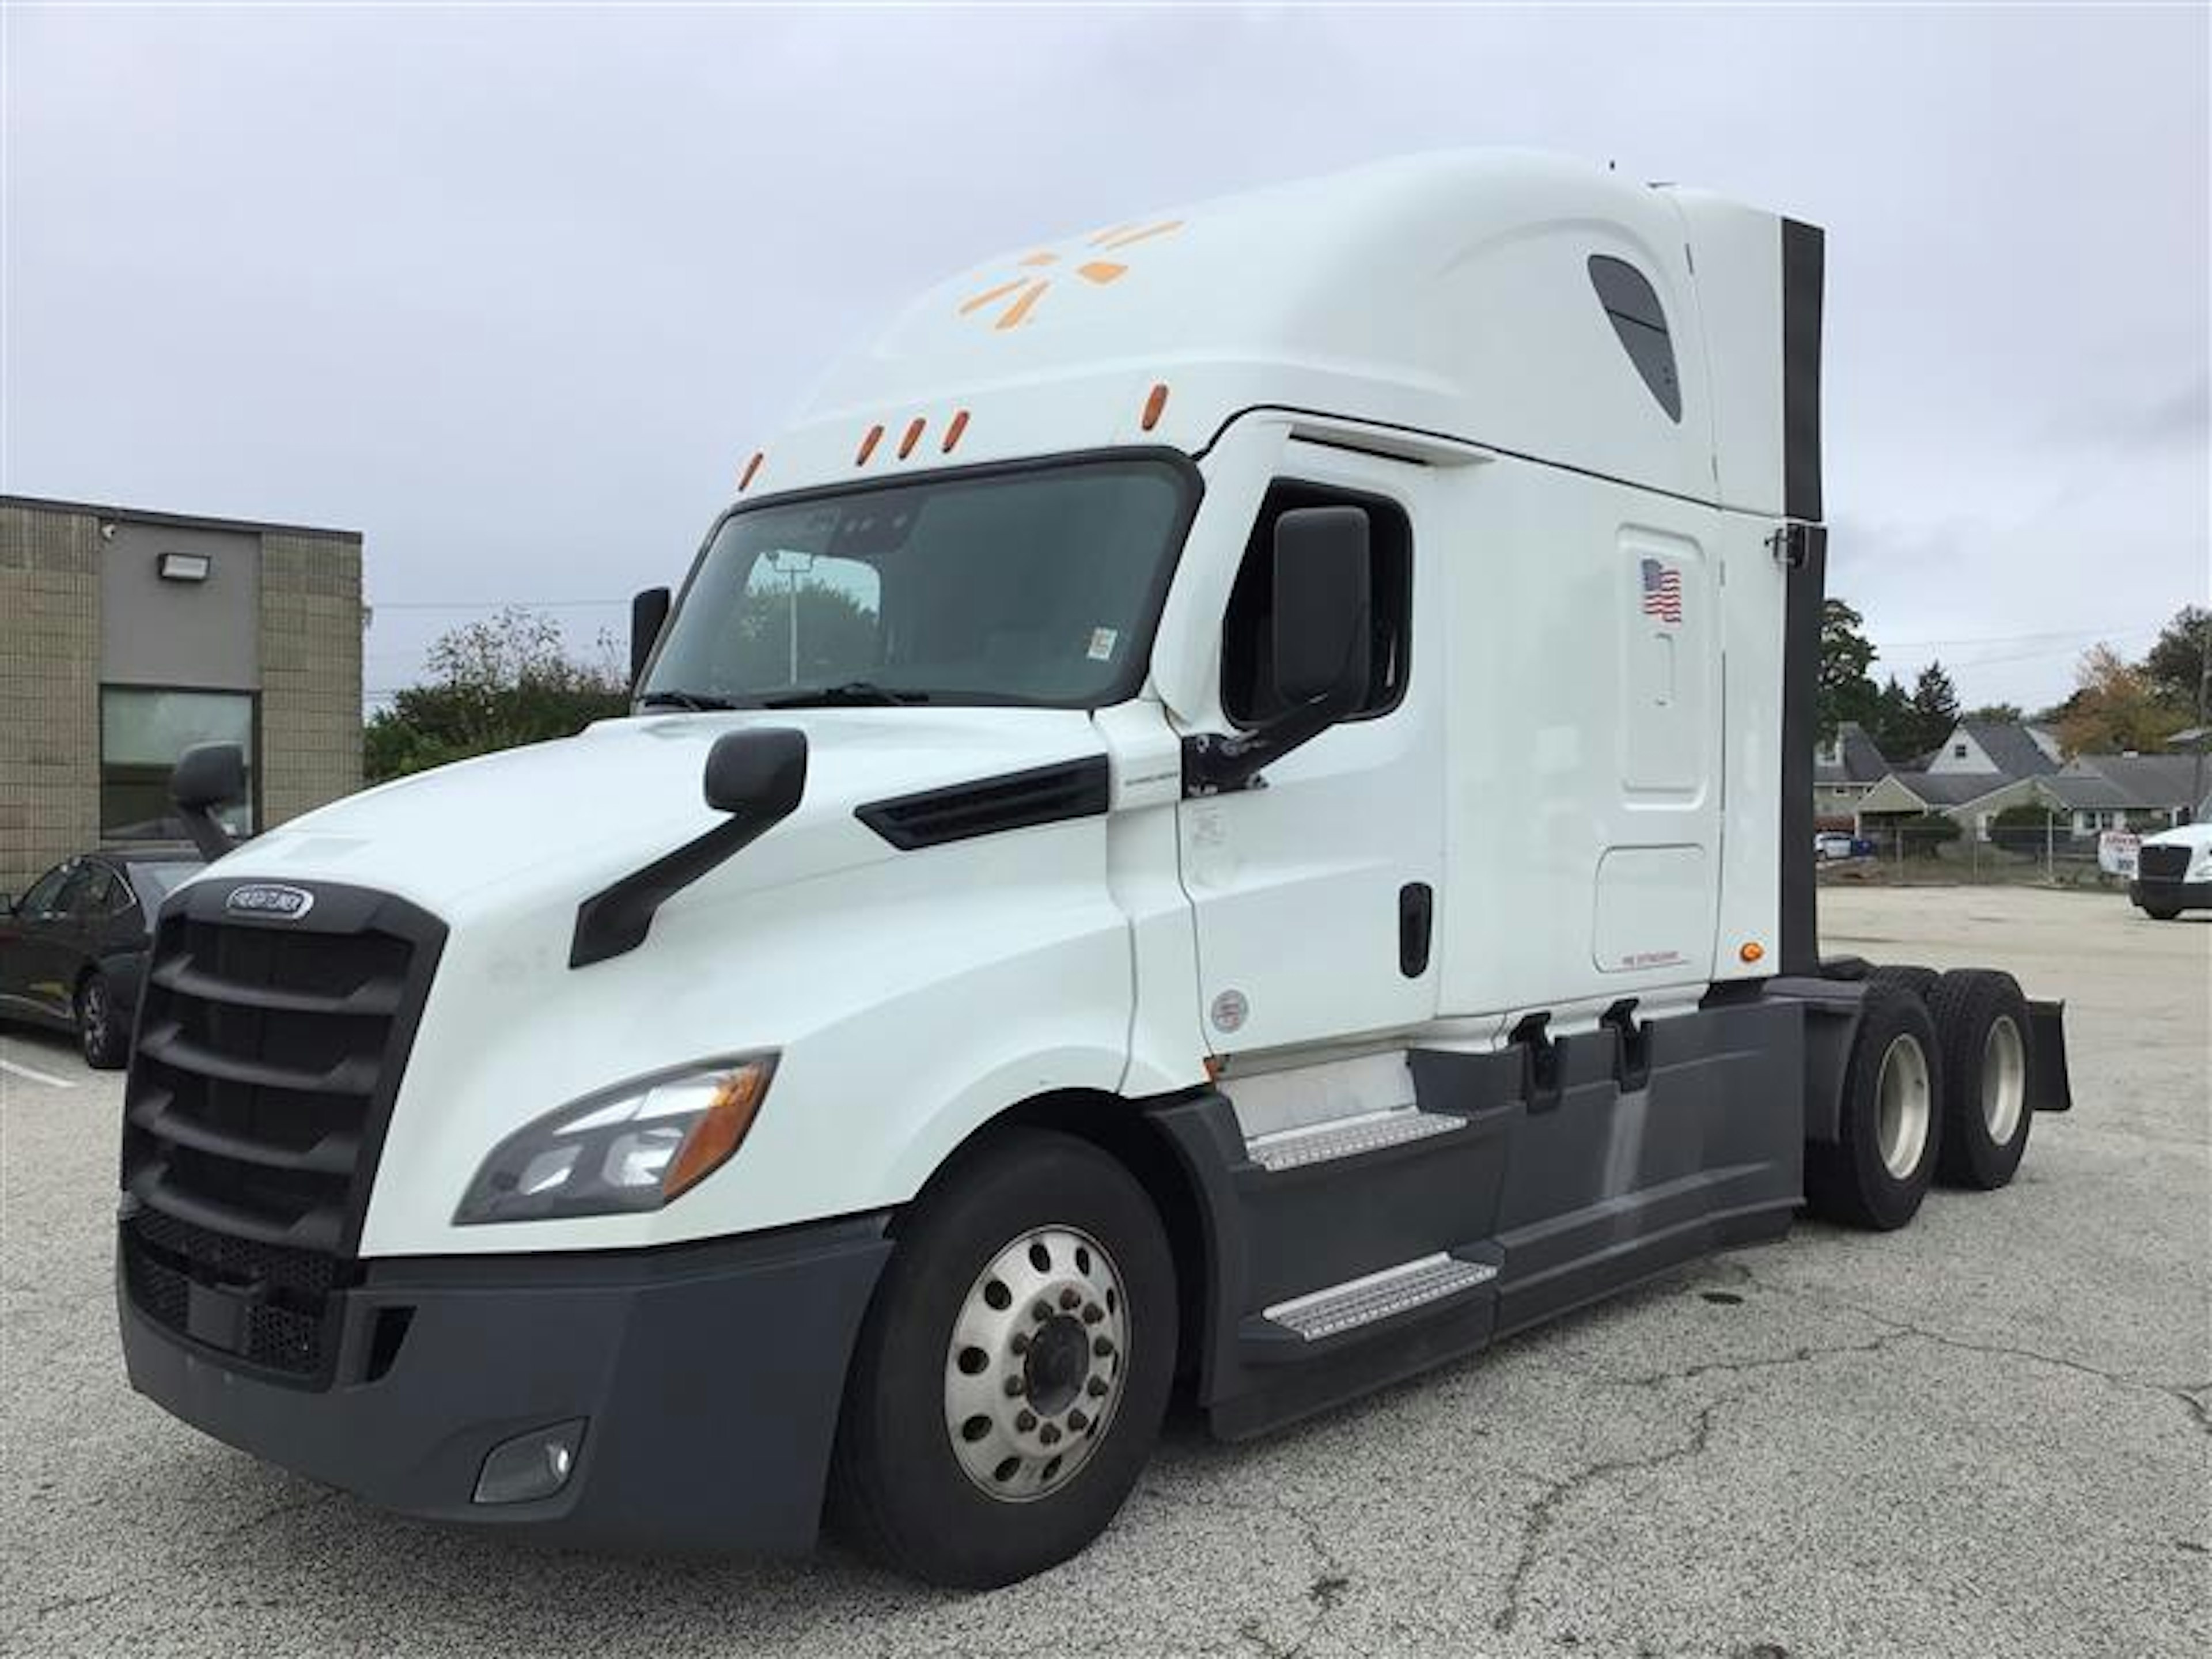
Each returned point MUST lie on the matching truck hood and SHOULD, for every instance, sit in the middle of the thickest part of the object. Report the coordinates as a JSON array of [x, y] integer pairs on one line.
[[564, 818]]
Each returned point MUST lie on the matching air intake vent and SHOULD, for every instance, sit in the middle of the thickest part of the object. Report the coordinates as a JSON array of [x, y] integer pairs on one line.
[[2164, 863], [1018, 801]]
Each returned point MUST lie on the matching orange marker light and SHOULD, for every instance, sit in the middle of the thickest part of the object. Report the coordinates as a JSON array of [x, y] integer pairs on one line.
[[868, 446], [1155, 406], [913, 437], [1751, 951], [751, 467], [719, 1131], [952, 433]]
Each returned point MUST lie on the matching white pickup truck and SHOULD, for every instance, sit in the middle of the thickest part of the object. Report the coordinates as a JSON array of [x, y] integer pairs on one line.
[[1229, 810]]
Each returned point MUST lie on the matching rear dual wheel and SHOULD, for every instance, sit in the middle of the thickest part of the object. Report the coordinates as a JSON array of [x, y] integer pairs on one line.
[[1981, 1019], [1009, 1382], [1889, 1125]]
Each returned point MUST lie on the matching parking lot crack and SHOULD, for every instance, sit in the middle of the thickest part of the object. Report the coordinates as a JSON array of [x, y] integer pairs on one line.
[[1542, 1515]]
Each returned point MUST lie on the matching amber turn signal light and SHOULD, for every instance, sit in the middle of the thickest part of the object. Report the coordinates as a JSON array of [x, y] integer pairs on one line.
[[720, 1132]]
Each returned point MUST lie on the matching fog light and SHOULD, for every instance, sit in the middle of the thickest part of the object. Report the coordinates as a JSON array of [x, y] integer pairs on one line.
[[530, 1466]]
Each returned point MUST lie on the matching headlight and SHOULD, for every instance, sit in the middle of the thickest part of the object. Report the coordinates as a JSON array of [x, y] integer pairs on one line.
[[631, 1147]]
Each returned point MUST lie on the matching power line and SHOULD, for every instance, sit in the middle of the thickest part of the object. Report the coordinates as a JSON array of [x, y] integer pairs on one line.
[[496, 604]]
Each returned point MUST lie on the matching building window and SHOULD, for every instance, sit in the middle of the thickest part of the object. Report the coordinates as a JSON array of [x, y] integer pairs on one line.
[[142, 731], [1248, 696], [1958, 752], [1632, 307]]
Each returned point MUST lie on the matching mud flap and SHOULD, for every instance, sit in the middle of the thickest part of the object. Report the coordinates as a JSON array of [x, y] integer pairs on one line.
[[2049, 1087]]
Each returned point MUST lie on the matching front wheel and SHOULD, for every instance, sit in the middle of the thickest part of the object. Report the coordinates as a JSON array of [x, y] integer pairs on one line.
[[2161, 912], [100, 1028], [1010, 1382]]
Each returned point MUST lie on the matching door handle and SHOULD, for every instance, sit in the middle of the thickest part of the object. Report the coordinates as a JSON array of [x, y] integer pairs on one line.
[[1417, 907]]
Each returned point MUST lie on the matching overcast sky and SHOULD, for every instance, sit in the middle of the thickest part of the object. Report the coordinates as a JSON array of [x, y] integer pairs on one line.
[[514, 291]]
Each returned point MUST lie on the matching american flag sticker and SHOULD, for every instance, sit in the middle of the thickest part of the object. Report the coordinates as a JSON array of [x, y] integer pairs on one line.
[[1662, 593]]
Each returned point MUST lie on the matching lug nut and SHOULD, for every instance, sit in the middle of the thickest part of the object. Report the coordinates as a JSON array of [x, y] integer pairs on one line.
[[1102, 1347], [1050, 1434], [1041, 1312], [1077, 1422], [1025, 1421], [1021, 1342], [1097, 1387], [1093, 1313], [1015, 1387], [1068, 1299]]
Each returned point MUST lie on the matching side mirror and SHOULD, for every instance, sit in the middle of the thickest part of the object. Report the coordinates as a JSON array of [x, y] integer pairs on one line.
[[1323, 605], [1321, 635], [208, 775], [648, 613], [762, 771]]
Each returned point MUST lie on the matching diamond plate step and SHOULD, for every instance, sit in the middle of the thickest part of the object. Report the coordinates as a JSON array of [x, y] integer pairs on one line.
[[1379, 1296], [1292, 1149]]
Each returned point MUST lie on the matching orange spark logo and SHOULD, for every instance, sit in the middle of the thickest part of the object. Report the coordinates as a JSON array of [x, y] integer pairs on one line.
[[1017, 299]]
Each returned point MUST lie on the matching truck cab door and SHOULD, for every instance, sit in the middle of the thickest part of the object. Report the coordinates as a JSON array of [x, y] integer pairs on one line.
[[1313, 891]]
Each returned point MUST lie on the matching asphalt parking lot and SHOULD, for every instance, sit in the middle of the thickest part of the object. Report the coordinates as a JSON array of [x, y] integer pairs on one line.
[[1989, 1434]]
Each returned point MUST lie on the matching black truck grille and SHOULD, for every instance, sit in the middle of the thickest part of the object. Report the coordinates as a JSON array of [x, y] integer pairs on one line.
[[2162, 863], [270, 1049]]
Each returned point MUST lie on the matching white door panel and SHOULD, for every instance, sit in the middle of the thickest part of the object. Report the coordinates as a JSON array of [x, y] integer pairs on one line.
[[1295, 886]]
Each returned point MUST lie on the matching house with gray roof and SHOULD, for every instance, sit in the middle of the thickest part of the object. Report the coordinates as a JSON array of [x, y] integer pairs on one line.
[[2005, 747], [2137, 792], [1844, 769]]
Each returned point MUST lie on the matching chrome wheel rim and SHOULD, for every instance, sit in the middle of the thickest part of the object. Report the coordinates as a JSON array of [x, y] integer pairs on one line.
[[1034, 1371], [92, 1016], [1901, 1106], [2004, 1079]]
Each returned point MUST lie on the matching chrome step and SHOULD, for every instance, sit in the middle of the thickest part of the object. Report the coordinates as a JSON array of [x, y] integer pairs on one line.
[[1292, 1149], [1393, 1291]]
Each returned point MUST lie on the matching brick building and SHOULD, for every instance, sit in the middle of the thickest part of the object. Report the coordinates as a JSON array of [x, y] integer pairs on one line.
[[126, 636]]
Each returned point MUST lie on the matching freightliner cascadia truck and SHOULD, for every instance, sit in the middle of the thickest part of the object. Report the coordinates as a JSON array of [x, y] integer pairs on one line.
[[1228, 810]]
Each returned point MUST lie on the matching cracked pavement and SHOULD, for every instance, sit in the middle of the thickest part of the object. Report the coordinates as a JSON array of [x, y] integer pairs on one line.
[[1988, 1435]]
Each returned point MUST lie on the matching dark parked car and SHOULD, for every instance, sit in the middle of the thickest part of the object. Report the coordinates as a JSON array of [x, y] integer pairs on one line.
[[73, 948]]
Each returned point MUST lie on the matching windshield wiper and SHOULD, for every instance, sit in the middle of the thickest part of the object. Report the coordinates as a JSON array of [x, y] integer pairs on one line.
[[696, 702], [851, 691]]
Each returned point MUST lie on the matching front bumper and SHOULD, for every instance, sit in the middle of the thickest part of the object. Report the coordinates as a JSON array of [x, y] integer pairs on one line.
[[2171, 895], [710, 1377]]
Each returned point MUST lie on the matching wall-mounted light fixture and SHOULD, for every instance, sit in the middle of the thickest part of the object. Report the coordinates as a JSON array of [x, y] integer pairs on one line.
[[185, 567]]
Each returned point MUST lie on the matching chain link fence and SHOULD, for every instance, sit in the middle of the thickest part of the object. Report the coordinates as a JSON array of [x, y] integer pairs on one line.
[[1942, 853]]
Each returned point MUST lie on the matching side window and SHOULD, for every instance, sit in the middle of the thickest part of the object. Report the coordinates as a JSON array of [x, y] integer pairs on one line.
[[1633, 308], [1248, 696], [81, 892], [45, 892]]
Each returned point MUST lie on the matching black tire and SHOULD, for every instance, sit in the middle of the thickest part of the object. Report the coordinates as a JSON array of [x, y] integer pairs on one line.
[[1851, 1180], [1919, 981], [2160, 913], [898, 1491], [100, 1030], [1985, 1074]]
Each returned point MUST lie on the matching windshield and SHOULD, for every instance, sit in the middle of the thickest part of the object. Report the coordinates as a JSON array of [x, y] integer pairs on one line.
[[1039, 585], [155, 881]]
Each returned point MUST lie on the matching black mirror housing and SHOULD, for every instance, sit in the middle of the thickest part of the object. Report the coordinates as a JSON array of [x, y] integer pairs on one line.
[[759, 771], [1323, 605], [648, 614], [207, 775]]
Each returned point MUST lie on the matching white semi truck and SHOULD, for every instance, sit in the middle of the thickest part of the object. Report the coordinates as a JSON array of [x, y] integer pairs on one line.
[[1229, 809]]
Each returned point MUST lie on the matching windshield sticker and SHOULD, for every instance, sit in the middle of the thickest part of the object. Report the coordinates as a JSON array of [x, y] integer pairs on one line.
[[1101, 644]]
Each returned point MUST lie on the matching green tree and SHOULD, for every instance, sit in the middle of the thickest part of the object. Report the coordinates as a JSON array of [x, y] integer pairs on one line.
[[2002, 714], [493, 684], [821, 629], [1934, 707], [1893, 728], [1847, 691], [2179, 668]]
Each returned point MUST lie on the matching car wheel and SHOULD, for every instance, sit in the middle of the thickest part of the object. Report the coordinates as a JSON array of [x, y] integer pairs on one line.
[[2160, 913], [100, 1027], [1981, 1021], [1890, 1126], [1009, 1382]]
